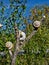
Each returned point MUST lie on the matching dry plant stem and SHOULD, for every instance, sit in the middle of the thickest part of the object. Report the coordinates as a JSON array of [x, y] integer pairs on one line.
[[30, 36], [10, 52], [18, 47]]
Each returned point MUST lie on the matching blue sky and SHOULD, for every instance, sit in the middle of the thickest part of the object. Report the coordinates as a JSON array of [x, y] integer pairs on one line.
[[30, 4]]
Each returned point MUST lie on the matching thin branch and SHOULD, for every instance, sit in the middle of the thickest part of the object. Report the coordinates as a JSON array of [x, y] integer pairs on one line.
[[30, 36], [27, 39], [18, 47]]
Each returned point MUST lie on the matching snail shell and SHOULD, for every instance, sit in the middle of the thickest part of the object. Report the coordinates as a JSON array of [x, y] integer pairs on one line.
[[22, 35], [44, 16], [1, 25], [36, 24], [9, 45]]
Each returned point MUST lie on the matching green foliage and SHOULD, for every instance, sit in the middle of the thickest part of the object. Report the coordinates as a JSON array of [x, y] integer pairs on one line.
[[36, 47], [8, 17]]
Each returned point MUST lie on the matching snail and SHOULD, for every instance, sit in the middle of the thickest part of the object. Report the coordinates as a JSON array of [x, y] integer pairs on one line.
[[44, 16], [36, 24], [1, 25], [22, 36], [9, 45]]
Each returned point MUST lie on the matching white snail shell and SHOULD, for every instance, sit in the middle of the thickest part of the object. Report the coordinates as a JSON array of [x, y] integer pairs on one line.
[[22, 34], [1, 25], [9, 45], [44, 16], [36, 24]]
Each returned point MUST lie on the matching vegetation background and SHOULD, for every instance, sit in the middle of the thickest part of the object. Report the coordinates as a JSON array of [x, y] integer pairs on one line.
[[37, 48]]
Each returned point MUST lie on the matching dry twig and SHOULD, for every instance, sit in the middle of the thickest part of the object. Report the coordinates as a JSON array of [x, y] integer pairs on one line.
[[18, 47]]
